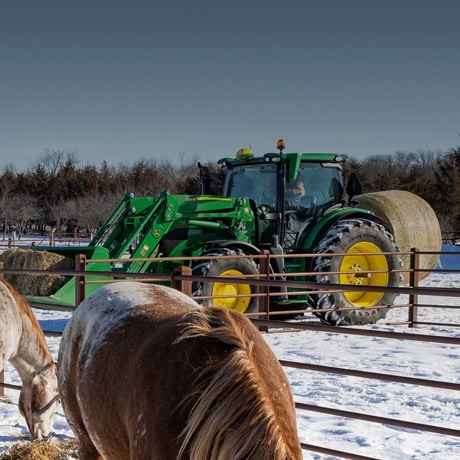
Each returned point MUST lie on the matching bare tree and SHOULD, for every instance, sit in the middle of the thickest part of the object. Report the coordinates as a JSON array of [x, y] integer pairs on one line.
[[54, 160], [23, 211], [7, 183]]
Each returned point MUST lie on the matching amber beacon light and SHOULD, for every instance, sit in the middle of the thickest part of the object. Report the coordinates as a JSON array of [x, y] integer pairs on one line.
[[280, 145]]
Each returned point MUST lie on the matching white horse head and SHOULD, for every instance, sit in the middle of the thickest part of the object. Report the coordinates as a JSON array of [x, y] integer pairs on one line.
[[38, 402]]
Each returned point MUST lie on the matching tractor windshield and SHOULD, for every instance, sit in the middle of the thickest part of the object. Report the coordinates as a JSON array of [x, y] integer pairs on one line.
[[316, 185], [257, 182]]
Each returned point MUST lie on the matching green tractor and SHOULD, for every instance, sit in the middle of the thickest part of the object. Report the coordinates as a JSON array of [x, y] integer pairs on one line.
[[290, 204], [298, 204]]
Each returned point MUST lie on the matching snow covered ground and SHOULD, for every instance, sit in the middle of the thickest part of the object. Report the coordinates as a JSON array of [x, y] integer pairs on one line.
[[431, 406]]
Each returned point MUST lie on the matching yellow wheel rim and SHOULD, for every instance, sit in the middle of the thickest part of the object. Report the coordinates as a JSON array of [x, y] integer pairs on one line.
[[359, 264], [229, 289]]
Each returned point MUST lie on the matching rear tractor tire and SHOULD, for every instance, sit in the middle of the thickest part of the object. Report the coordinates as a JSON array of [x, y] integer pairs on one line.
[[222, 291], [360, 241]]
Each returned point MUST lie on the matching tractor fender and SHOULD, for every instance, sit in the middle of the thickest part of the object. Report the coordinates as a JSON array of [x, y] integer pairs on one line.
[[314, 232], [247, 248]]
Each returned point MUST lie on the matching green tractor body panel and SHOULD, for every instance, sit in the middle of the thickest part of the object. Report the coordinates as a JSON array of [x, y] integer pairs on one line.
[[282, 202]]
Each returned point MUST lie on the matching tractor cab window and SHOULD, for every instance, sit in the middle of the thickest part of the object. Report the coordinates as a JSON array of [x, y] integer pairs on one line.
[[257, 182], [316, 185]]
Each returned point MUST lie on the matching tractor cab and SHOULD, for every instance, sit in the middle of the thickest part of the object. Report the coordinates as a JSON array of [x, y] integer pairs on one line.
[[287, 190]]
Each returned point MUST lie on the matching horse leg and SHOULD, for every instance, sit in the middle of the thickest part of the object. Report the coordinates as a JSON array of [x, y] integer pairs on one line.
[[87, 451], [86, 448]]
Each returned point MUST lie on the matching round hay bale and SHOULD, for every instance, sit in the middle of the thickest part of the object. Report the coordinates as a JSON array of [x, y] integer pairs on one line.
[[412, 221], [35, 285]]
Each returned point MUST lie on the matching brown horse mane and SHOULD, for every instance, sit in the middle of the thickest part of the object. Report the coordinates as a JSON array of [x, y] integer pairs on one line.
[[230, 394]]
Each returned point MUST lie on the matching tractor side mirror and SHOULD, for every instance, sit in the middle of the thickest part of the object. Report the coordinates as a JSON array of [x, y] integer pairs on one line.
[[210, 178], [354, 187]]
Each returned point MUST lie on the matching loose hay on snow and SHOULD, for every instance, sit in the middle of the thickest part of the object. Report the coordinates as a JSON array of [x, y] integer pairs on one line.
[[35, 285], [41, 450]]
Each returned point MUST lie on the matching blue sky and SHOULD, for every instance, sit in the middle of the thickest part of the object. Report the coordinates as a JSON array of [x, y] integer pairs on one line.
[[183, 80]]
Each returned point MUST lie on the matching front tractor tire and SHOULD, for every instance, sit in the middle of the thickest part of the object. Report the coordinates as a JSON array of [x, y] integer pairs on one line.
[[226, 294], [359, 241]]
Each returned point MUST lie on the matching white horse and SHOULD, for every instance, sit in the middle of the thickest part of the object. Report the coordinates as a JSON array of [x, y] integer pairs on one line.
[[23, 344]]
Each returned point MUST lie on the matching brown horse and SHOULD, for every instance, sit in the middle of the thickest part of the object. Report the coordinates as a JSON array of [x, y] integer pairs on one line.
[[146, 374], [23, 344]]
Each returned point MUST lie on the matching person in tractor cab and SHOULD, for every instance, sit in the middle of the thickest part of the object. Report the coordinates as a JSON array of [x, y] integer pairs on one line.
[[294, 193]]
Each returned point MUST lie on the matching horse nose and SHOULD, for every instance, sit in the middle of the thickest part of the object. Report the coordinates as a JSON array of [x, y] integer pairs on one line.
[[44, 437], [42, 434]]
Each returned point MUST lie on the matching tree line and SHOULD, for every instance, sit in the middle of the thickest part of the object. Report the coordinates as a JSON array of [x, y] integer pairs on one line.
[[57, 193]]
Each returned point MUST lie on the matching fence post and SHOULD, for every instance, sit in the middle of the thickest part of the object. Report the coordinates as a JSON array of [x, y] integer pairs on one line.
[[413, 283], [264, 300], [184, 286], [80, 281]]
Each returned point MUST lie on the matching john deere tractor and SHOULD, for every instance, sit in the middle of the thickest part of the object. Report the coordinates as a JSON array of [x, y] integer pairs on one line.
[[289, 204]]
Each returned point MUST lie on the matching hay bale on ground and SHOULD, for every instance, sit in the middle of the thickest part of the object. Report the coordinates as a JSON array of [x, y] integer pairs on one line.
[[41, 450], [35, 285]]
